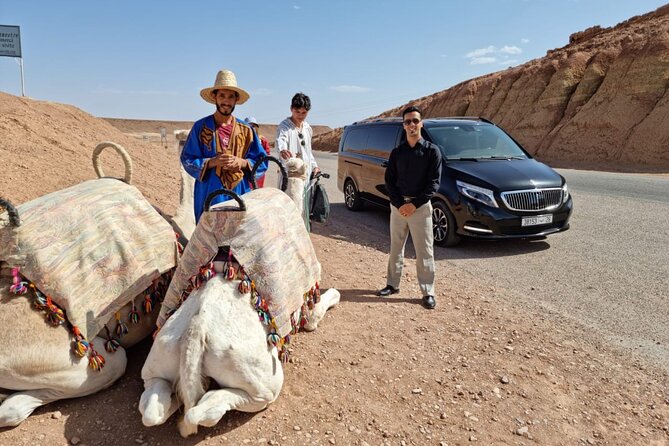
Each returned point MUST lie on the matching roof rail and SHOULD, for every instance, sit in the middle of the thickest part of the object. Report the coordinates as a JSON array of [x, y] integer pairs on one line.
[[472, 118], [389, 119], [398, 119]]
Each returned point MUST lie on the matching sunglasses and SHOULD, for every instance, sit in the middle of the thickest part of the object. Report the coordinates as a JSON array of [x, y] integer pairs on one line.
[[301, 138], [411, 121]]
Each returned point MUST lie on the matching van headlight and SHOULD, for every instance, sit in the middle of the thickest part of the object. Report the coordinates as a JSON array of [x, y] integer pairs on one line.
[[480, 194], [565, 193]]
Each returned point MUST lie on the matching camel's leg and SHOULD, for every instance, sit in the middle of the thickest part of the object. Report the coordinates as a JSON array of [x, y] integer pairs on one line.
[[18, 406], [328, 300], [78, 380], [261, 386], [157, 403], [216, 403], [161, 369]]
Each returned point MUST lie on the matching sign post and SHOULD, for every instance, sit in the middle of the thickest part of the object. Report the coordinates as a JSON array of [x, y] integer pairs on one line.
[[10, 46]]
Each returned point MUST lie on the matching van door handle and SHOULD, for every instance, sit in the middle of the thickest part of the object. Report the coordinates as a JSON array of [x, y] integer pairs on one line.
[[384, 164]]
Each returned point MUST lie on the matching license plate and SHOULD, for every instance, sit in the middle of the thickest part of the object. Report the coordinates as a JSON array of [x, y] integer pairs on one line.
[[537, 220]]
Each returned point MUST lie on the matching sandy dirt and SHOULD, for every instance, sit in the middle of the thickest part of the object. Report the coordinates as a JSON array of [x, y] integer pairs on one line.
[[479, 369]]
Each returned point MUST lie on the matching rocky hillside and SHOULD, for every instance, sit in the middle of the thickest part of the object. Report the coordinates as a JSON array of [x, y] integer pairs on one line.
[[599, 102]]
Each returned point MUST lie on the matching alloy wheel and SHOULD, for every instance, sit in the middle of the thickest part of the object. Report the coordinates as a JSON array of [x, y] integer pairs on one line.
[[439, 224], [349, 195]]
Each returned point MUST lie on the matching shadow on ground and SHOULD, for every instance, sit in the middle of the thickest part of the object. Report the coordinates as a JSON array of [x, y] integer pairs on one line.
[[111, 415], [369, 296]]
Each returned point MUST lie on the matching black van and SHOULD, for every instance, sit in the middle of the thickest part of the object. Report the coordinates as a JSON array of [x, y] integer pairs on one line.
[[491, 188]]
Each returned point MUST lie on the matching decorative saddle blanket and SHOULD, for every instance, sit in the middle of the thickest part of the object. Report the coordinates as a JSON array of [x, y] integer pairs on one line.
[[270, 242], [92, 248]]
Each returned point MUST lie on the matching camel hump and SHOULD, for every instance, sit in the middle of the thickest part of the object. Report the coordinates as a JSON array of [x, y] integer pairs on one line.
[[121, 151]]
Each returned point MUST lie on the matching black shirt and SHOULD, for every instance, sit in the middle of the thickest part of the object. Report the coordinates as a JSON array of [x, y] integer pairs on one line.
[[413, 172]]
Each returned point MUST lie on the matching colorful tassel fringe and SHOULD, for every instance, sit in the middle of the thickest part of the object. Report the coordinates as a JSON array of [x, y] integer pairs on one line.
[[121, 328], [54, 314], [18, 286], [133, 316], [112, 343], [95, 360], [232, 270], [148, 304], [81, 346]]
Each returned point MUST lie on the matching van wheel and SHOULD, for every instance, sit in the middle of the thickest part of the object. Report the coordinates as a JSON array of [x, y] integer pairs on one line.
[[443, 225], [352, 198]]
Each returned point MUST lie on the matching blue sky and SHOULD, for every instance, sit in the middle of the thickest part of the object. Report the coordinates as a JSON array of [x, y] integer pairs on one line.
[[354, 58]]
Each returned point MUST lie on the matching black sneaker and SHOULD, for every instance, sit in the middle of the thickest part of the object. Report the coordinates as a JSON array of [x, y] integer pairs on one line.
[[387, 291], [428, 302]]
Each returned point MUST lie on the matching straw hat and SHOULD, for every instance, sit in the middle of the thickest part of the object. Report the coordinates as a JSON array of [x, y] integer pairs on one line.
[[225, 80]]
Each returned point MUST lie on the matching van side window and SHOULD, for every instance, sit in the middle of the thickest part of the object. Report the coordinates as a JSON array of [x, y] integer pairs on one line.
[[356, 141], [382, 140]]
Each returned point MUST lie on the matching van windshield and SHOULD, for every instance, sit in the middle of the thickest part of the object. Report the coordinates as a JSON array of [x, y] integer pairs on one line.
[[474, 141]]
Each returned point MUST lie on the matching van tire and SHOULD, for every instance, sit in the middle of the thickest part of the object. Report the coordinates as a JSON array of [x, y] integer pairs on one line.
[[352, 198], [443, 225]]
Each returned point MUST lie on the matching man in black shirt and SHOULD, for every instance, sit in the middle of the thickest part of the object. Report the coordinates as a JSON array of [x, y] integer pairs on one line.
[[412, 178]]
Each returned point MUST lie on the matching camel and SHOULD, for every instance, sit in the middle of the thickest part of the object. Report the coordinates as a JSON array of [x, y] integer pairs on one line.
[[216, 332], [37, 365], [183, 220]]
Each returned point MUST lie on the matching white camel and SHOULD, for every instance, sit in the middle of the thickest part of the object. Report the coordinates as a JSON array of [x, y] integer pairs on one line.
[[216, 334], [37, 365]]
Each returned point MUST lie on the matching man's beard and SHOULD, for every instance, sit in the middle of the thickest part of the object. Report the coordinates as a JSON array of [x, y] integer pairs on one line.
[[220, 110]]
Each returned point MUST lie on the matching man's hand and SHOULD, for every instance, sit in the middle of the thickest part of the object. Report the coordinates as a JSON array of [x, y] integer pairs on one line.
[[285, 154], [228, 162], [407, 209], [315, 172]]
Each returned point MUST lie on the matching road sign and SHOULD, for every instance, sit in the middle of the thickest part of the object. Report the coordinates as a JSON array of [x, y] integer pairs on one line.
[[10, 41]]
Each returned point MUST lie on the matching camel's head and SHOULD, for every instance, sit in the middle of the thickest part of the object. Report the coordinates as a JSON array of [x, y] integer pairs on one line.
[[181, 135], [297, 176], [296, 168]]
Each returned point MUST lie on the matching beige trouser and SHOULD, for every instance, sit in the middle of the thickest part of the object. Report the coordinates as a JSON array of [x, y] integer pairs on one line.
[[419, 224]]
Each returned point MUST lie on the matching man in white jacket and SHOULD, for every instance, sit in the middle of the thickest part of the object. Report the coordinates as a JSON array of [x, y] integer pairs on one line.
[[293, 136], [293, 139]]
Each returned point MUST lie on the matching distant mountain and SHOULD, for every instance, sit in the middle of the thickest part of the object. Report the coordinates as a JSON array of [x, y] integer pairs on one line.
[[144, 126], [599, 102]]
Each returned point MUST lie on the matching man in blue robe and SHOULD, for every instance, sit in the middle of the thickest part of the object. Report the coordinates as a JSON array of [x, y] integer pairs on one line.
[[220, 148]]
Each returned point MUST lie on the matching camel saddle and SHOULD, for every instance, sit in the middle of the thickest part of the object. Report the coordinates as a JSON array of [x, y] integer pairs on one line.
[[268, 239], [92, 248]]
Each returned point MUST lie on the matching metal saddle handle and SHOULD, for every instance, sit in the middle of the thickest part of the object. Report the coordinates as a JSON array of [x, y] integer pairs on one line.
[[282, 169], [216, 193], [13, 213]]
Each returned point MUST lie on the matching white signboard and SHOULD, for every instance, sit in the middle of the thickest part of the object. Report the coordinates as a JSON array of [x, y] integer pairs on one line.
[[10, 41]]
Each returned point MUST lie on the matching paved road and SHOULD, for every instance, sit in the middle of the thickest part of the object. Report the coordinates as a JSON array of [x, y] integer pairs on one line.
[[610, 271]]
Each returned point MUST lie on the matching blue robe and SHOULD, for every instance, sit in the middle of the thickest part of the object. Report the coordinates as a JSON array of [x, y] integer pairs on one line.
[[203, 144]]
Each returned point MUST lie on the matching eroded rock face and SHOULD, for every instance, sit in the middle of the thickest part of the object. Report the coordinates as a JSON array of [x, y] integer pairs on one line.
[[599, 102]]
